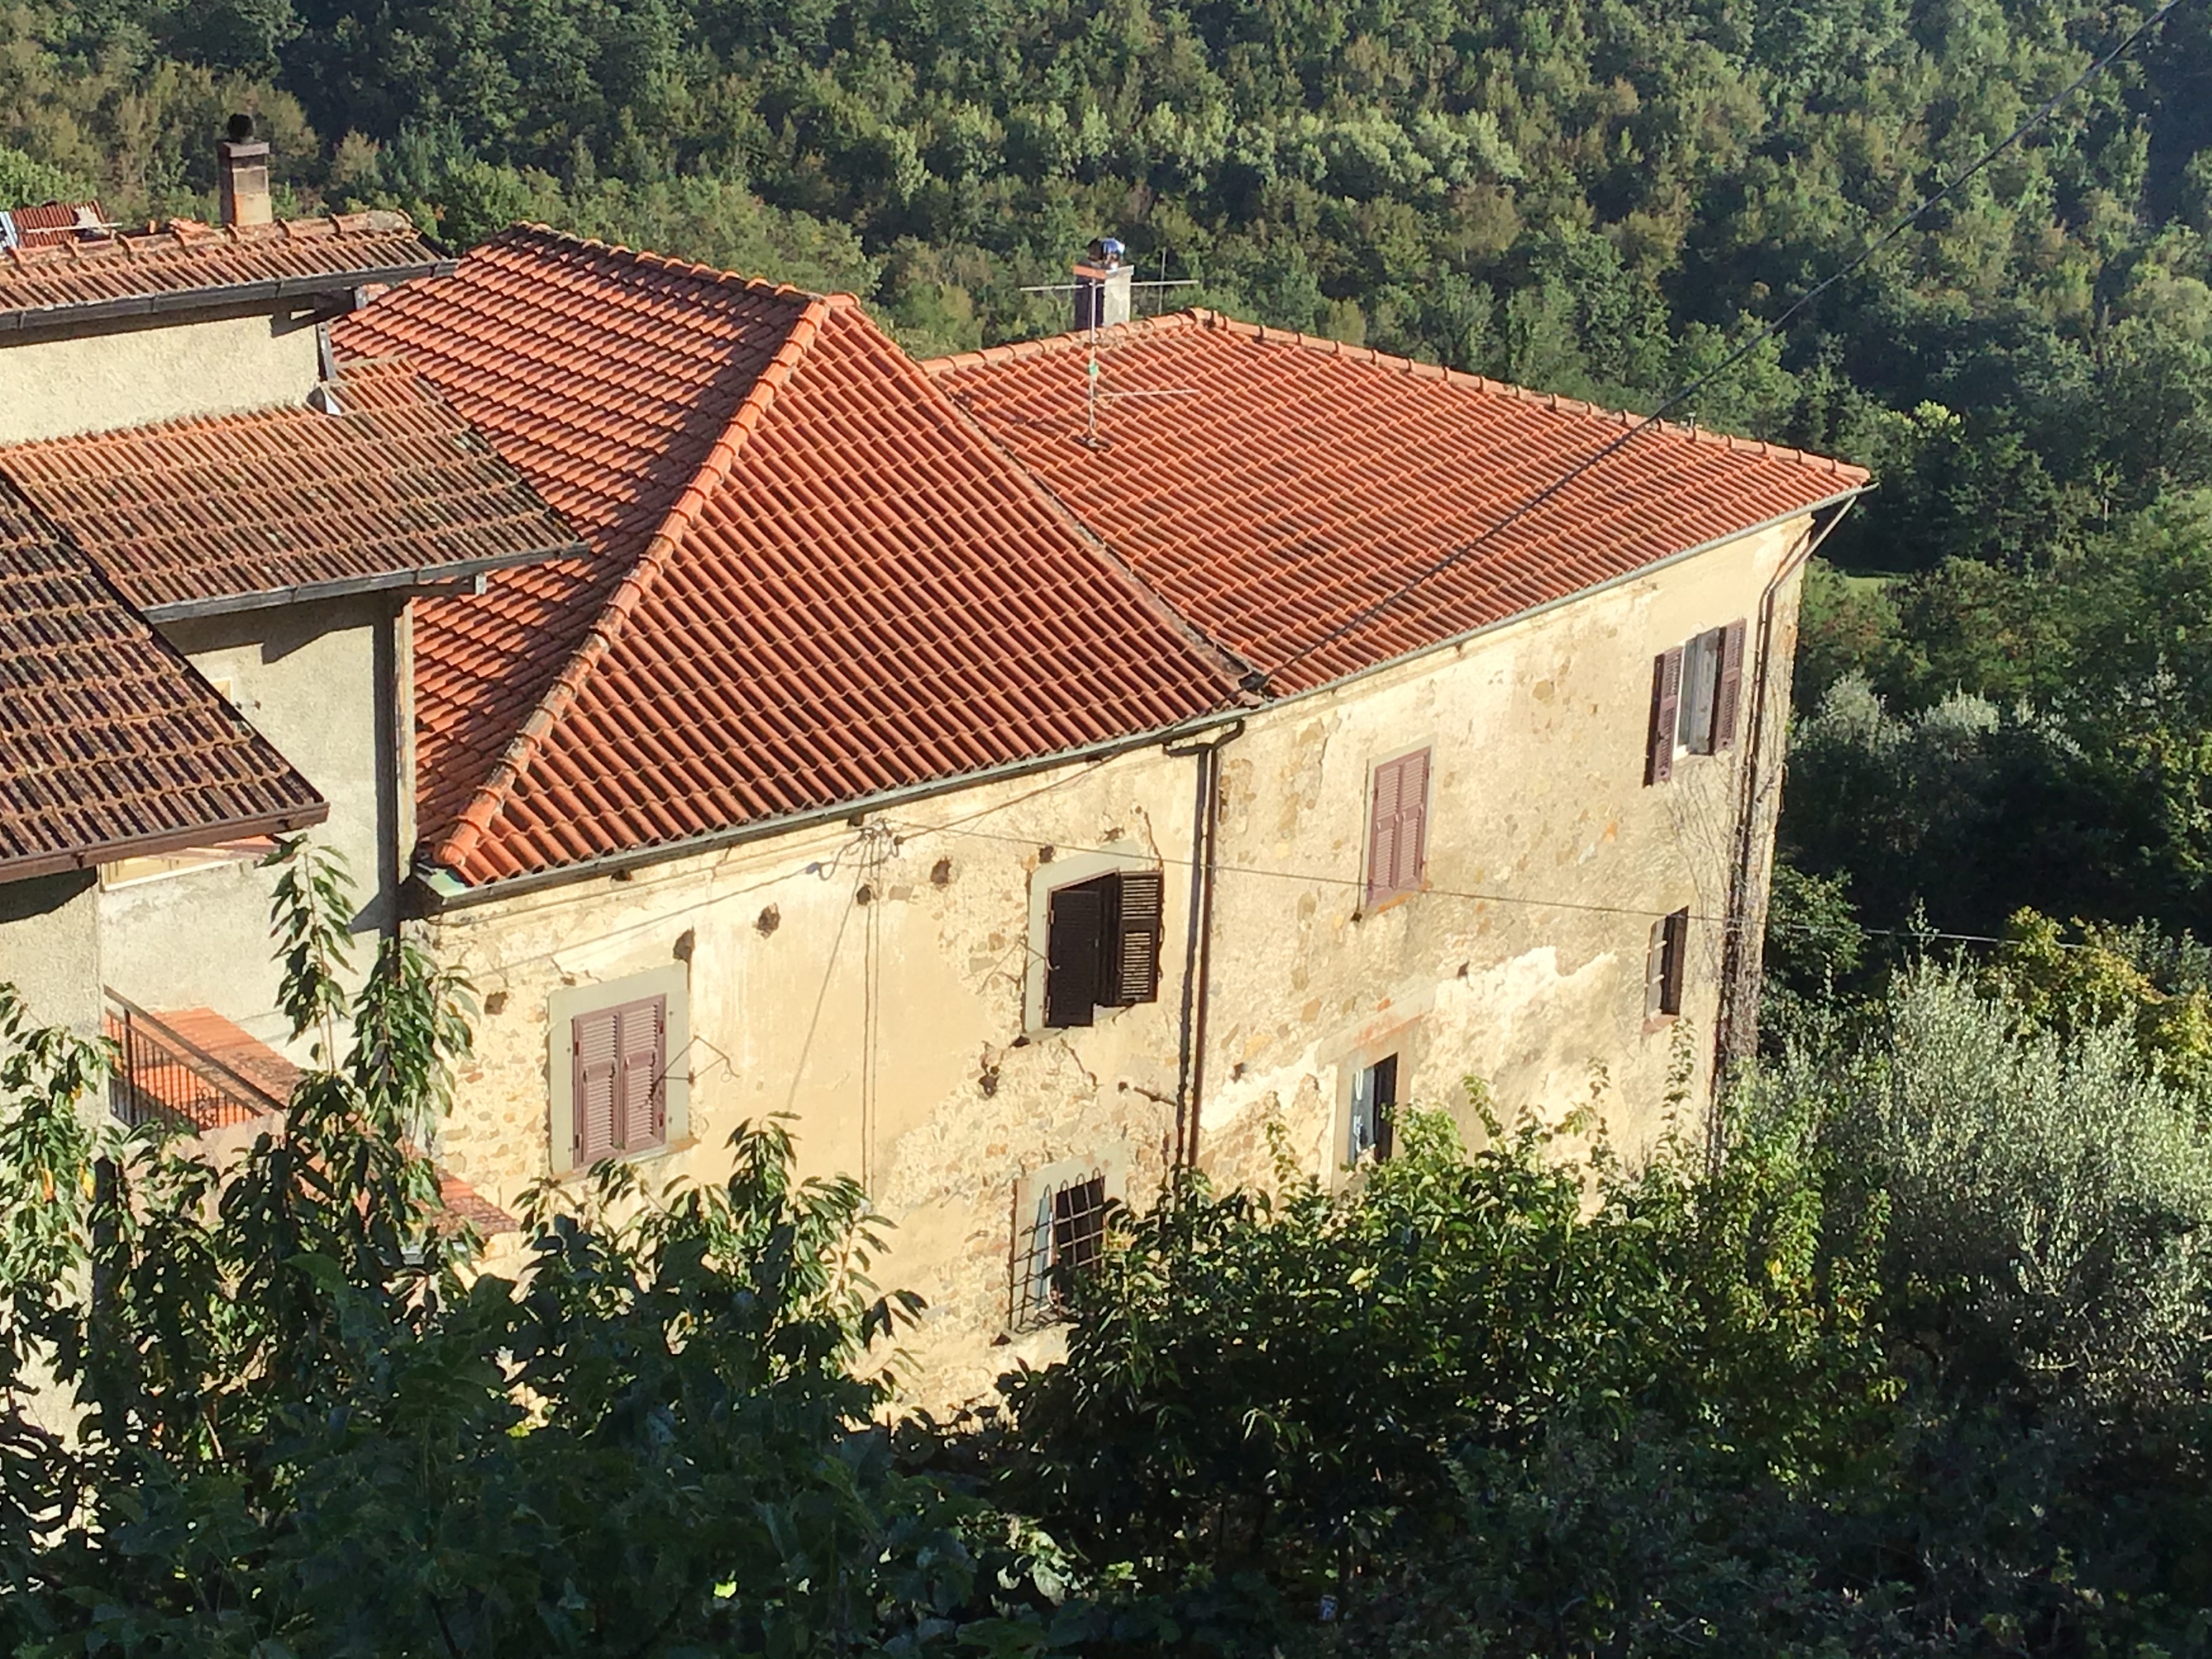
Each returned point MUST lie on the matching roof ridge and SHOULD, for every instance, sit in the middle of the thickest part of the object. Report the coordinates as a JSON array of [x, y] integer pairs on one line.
[[652, 261], [490, 798], [1197, 316]]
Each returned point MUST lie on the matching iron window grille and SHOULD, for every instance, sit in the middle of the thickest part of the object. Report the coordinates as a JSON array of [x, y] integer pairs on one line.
[[1064, 1234]]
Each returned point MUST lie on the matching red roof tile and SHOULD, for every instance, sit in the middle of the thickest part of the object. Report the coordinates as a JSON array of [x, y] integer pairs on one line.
[[51, 224], [1293, 481], [111, 744], [227, 512], [847, 590], [189, 264]]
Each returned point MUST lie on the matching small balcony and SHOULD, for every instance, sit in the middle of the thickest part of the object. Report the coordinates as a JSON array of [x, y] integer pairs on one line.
[[196, 1072], [193, 1069]]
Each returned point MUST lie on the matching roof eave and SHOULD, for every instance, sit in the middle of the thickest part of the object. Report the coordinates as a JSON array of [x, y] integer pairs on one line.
[[47, 319], [305, 815], [426, 576]]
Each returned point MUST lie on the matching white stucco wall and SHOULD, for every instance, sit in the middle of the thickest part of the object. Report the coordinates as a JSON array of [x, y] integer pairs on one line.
[[50, 947], [130, 374], [313, 679], [875, 981]]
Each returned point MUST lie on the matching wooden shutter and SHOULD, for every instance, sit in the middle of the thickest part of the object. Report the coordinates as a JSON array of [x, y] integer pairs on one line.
[[1731, 688], [643, 1030], [592, 1101], [1666, 710], [1678, 956], [1413, 836], [1075, 920], [1131, 970], [1398, 827], [1386, 1103]]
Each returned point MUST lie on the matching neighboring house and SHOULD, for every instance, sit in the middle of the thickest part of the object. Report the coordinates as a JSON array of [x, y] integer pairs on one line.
[[210, 545], [1025, 811]]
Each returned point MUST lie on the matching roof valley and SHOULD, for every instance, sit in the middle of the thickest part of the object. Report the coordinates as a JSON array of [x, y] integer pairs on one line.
[[490, 798]]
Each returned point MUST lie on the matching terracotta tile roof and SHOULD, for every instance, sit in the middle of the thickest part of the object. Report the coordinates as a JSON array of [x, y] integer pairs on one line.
[[1294, 482], [228, 512], [847, 590], [50, 225], [187, 265], [111, 745], [606, 377]]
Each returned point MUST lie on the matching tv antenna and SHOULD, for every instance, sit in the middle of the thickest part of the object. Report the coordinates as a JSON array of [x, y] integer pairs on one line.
[[1105, 291]]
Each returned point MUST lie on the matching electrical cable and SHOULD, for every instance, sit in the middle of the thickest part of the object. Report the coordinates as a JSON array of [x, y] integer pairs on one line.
[[1319, 878]]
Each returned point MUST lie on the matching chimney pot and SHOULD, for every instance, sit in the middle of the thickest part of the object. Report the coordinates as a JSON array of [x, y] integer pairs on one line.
[[242, 175], [1102, 287]]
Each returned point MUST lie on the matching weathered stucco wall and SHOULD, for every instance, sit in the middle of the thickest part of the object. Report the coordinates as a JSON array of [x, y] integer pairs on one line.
[[875, 981], [314, 680], [1548, 858], [50, 947], [133, 374]]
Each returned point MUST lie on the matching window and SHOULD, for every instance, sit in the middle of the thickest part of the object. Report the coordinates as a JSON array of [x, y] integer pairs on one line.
[[1397, 827], [617, 1054], [620, 1060], [1663, 961], [1102, 945], [1695, 690], [1061, 1229], [1374, 1099]]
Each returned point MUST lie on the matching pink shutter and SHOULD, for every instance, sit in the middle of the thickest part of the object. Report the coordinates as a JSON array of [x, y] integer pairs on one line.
[[643, 1027], [1666, 712], [1383, 833], [592, 1101], [1731, 687], [1413, 836]]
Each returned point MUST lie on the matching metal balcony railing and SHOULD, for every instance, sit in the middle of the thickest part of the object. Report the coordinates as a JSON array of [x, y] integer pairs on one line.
[[166, 1075]]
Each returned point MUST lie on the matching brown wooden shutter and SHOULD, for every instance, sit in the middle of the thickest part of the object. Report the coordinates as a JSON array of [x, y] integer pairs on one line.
[[1731, 688], [592, 1098], [1678, 958], [1382, 832], [1131, 970], [1666, 710], [1412, 834], [643, 1094], [1075, 920]]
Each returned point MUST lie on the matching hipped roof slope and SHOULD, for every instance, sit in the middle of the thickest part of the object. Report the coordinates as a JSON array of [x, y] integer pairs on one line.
[[1275, 487], [814, 579], [111, 744]]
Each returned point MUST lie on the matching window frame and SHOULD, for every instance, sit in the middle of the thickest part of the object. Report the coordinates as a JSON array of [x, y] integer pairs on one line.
[[1666, 960], [1377, 1080], [1696, 693], [1111, 992], [564, 1007], [1033, 1260]]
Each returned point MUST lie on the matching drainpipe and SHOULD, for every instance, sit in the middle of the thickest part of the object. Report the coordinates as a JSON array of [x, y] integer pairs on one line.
[[1743, 949], [1198, 947]]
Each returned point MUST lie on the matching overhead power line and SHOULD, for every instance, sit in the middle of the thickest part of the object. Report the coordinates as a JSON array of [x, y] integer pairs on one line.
[[1691, 389]]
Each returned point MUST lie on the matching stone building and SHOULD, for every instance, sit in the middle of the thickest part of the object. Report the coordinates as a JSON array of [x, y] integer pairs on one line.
[[1029, 776], [210, 545]]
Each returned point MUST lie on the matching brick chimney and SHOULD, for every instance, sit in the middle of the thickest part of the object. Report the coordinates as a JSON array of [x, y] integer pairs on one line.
[[242, 175]]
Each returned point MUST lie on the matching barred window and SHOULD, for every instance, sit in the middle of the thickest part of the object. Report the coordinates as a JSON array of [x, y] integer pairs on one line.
[[1063, 1232]]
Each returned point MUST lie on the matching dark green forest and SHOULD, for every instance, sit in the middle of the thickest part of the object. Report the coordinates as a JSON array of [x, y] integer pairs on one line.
[[1923, 1366], [2004, 671]]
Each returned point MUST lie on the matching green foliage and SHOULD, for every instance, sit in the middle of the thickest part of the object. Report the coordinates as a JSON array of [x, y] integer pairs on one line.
[[1275, 1395], [28, 183], [305, 1425]]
